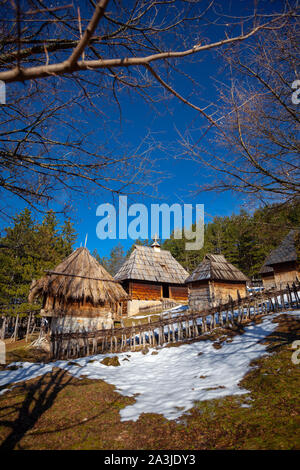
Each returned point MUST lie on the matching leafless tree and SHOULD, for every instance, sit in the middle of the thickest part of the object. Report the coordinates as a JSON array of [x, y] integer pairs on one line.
[[255, 146], [62, 61]]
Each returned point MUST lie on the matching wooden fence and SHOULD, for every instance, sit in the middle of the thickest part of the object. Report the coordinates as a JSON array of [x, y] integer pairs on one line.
[[174, 327], [19, 326], [166, 304]]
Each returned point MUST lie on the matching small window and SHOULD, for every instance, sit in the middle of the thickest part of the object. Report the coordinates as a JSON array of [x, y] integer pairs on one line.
[[166, 294]]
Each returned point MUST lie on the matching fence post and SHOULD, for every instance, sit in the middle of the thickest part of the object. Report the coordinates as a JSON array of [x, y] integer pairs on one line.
[[187, 325], [220, 315], [173, 333], [289, 295], [178, 330], [160, 334], [296, 294], [204, 325], [52, 345]]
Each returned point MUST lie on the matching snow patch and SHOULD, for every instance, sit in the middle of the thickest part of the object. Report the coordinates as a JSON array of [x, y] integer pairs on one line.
[[171, 381]]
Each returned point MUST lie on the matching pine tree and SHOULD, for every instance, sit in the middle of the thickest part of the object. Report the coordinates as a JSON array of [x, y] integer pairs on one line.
[[68, 236], [31, 249], [116, 259], [17, 263]]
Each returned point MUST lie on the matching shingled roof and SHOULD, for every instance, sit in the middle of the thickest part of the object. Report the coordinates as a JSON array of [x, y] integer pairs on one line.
[[266, 270], [216, 268], [146, 264], [285, 252]]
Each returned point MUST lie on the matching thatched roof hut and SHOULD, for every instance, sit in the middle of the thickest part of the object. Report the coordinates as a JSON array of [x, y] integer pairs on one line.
[[150, 275], [213, 281], [79, 287], [284, 260]]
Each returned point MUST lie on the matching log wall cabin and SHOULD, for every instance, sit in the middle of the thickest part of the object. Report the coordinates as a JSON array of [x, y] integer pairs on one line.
[[284, 261], [213, 281], [267, 276], [150, 276]]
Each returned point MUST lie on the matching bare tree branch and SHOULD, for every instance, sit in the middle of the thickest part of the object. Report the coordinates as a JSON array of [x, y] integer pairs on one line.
[[66, 65]]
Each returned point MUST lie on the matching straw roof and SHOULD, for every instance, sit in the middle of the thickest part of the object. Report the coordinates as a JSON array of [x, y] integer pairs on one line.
[[79, 278], [216, 268], [147, 264], [285, 252]]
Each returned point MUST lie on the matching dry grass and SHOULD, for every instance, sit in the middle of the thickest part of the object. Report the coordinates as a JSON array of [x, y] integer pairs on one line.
[[21, 351]]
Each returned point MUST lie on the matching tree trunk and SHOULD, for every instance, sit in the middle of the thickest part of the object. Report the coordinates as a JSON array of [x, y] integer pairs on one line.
[[28, 327], [3, 328], [16, 328]]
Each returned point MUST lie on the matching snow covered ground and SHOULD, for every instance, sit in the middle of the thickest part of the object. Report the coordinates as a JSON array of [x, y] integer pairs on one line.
[[172, 380]]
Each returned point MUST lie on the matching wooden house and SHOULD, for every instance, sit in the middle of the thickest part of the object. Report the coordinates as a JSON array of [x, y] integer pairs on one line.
[[151, 275], [213, 281], [79, 294], [267, 275], [284, 260]]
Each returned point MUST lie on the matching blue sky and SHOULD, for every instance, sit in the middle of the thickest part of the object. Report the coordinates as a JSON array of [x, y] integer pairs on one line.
[[181, 176]]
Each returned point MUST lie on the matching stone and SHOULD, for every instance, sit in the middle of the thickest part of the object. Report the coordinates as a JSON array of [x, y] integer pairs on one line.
[[111, 361]]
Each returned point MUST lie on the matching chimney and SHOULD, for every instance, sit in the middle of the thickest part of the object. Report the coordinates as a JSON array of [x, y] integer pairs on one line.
[[155, 245]]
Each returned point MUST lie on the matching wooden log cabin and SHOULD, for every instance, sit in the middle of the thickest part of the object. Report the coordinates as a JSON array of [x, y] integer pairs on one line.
[[151, 276], [79, 294], [284, 261], [267, 275], [213, 281]]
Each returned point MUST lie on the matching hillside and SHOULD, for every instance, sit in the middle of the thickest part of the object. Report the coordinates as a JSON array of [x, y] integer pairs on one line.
[[229, 391]]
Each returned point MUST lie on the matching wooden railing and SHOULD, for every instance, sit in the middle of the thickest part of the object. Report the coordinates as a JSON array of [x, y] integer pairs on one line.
[[164, 305], [182, 327]]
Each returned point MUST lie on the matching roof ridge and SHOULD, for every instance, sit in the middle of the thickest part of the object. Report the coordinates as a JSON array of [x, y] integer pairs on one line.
[[143, 247]]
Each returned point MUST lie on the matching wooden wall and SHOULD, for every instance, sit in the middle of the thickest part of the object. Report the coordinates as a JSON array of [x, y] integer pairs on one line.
[[286, 273], [57, 307], [145, 291], [199, 295], [268, 280], [178, 293], [149, 291], [220, 291], [124, 312], [205, 294]]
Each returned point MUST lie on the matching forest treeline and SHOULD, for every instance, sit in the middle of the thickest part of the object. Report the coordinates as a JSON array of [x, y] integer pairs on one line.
[[29, 248], [245, 239]]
